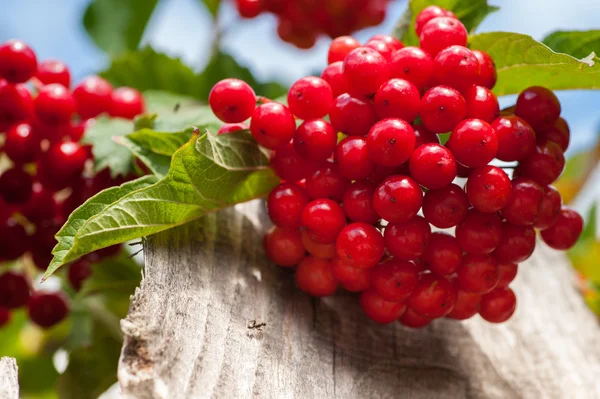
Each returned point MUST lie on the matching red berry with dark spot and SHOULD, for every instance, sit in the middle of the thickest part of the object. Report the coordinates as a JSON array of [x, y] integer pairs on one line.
[[442, 108], [565, 232], [310, 98], [498, 306], [433, 166], [408, 240], [479, 233], [481, 103], [232, 100], [360, 245], [442, 32], [285, 205], [323, 219], [284, 247], [398, 199], [549, 209], [443, 255], [473, 142], [326, 182], [14, 289], [378, 309], [489, 188], [538, 106], [433, 297], [18, 62], [93, 96], [352, 157], [456, 66], [446, 207], [351, 115], [358, 202], [315, 277], [394, 280], [365, 70], [478, 273], [272, 125], [516, 139], [315, 140], [391, 142], [47, 309], [412, 64], [53, 71], [397, 98]]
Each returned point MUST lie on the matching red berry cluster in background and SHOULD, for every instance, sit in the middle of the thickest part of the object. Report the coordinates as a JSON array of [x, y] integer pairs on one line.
[[371, 212], [45, 172], [300, 22]]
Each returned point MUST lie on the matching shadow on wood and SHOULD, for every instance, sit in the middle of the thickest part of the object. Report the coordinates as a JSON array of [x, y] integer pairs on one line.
[[213, 318]]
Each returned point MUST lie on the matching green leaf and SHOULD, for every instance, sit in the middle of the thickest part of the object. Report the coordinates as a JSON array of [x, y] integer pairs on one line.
[[470, 12], [579, 44], [118, 25], [107, 153], [176, 113], [589, 232], [209, 173], [114, 277], [522, 62], [212, 6]]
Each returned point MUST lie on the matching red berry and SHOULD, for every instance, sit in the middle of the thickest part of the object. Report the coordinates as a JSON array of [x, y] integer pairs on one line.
[[478, 273], [285, 205], [432, 166], [424, 136], [397, 98], [47, 309], [479, 233], [433, 297], [334, 75], [545, 165], [382, 48], [315, 277], [42, 205], [128, 103], [360, 245], [284, 247], [365, 70], [14, 239], [498, 306], [487, 69], [443, 255], [321, 251], [549, 209], [232, 100], [289, 165], [516, 139], [352, 116], [391, 41], [53, 71], [559, 133], [538, 106], [310, 98], [429, 13], [517, 245], [14, 290], [394, 280], [62, 164], [323, 219], [456, 66], [412, 319], [378, 309], [398, 199], [18, 62], [525, 202], [473, 142], [340, 48], [232, 127], [352, 157], [5, 316], [79, 271], [21, 144], [54, 104], [481, 103], [15, 186], [506, 273], [412, 64], [353, 279], [315, 140], [249, 8], [272, 125], [565, 232], [326, 182], [489, 189], [16, 104], [442, 108], [358, 202], [467, 305], [93, 96], [446, 207], [390, 142], [442, 32], [408, 240]]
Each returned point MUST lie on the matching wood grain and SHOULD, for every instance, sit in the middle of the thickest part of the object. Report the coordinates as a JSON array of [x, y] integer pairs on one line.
[[9, 381], [195, 330]]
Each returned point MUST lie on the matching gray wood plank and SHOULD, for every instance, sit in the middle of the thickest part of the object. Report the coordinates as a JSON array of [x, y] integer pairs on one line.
[[9, 382]]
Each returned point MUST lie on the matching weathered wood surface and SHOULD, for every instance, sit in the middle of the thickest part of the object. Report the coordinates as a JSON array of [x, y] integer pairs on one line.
[[9, 382], [191, 331]]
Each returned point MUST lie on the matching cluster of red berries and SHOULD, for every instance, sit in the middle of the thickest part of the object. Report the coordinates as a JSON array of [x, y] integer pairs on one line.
[[359, 212], [46, 172], [300, 22]]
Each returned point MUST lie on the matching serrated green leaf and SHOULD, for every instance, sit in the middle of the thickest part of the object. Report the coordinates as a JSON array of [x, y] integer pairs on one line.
[[212, 6], [117, 26], [579, 44], [207, 174], [522, 62], [107, 153], [470, 12]]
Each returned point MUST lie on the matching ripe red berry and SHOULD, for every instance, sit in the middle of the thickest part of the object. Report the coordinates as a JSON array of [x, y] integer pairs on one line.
[[498, 306], [488, 188], [14, 239], [467, 305], [442, 108], [79, 271], [326, 182], [128, 103], [473, 142], [352, 116], [284, 247], [549, 209], [18, 62], [358, 202], [487, 69], [443, 255], [289, 165], [559, 133], [446, 207], [412, 64], [14, 290], [565, 232], [310, 98], [323, 219], [381, 47], [353, 279], [272, 125], [334, 75], [429, 13], [315, 277], [62, 164], [42, 205], [285, 205], [525, 202], [478, 273], [544, 165], [432, 166], [352, 157], [340, 48], [412, 319], [424, 136], [360, 245], [516, 139], [506, 273], [315, 140], [232, 127], [391, 41], [21, 144], [538, 106], [442, 32], [408, 240], [517, 245], [398, 199], [16, 104], [250, 8], [433, 297], [54, 104], [397, 98], [365, 70], [93, 96], [479, 233], [457, 67], [232, 100], [394, 280], [47, 309], [53, 71], [378, 309], [390, 142], [317, 250], [481, 103], [15, 186]]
